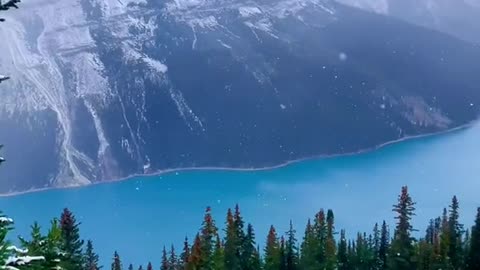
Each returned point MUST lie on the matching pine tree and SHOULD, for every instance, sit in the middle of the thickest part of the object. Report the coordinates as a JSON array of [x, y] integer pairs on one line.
[[165, 263], [291, 249], [140, 267], [384, 247], [308, 249], [444, 259], [402, 249], [53, 249], [207, 237], [35, 245], [320, 236], [12, 257], [473, 260], [130, 267], [424, 255], [282, 254], [195, 260], [330, 245], [185, 256], [272, 251], [250, 257], [377, 262], [72, 244], [342, 256], [232, 254], [218, 254], [239, 224], [90, 257], [149, 266], [116, 264], [455, 248], [173, 260], [466, 245]]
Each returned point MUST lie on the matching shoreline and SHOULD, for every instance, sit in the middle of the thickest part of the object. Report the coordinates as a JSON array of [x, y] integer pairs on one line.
[[252, 169]]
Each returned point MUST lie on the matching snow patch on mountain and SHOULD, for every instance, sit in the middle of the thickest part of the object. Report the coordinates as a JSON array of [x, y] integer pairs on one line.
[[249, 11]]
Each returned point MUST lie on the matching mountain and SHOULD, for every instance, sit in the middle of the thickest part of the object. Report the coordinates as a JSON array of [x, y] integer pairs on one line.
[[105, 89], [459, 18]]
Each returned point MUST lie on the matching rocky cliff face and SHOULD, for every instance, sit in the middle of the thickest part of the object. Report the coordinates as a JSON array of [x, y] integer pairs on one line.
[[103, 89]]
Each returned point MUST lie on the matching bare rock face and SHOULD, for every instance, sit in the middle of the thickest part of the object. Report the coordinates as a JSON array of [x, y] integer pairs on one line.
[[104, 89]]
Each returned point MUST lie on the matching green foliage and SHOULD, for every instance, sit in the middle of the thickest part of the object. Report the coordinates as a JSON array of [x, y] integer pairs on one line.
[[473, 259], [71, 242], [445, 246], [91, 258], [402, 254], [116, 263], [272, 251], [342, 255], [291, 249]]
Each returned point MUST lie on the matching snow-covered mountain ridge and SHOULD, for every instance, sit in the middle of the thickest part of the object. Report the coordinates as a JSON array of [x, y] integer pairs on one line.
[[109, 88]]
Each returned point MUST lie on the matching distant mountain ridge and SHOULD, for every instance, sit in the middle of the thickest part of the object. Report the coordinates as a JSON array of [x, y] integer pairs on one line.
[[459, 18], [103, 89]]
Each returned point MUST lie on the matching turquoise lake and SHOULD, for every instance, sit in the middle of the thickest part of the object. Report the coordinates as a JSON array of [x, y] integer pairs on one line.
[[137, 217]]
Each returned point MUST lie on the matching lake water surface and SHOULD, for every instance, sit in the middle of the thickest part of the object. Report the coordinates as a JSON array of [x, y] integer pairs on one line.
[[139, 216]]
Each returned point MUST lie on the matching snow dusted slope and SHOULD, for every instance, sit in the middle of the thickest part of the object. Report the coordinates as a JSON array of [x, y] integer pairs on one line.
[[459, 18], [103, 89]]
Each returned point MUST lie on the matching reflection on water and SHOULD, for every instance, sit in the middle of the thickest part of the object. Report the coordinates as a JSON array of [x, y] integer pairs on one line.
[[161, 210]]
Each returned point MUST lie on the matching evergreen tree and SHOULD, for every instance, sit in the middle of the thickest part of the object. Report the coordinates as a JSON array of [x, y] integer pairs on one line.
[[444, 259], [308, 249], [90, 257], [283, 254], [455, 248], [185, 256], [165, 263], [116, 264], [330, 245], [140, 267], [72, 244], [473, 260], [424, 255], [320, 236], [402, 249], [342, 256], [12, 257], [384, 247], [377, 262], [207, 237], [218, 254], [239, 224], [173, 260], [291, 249], [194, 262], [250, 257], [466, 245], [36, 245], [149, 266], [53, 249], [130, 267], [232, 253], [272, 251]]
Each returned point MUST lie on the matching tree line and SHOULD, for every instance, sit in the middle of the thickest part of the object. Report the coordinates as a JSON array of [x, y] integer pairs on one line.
[[445, 245]]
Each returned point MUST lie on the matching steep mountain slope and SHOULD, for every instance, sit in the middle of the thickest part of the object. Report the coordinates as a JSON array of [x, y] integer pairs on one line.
[[104, 89], [459, 18]]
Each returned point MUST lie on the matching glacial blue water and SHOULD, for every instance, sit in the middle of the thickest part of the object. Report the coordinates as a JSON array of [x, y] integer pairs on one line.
[[137, 217]]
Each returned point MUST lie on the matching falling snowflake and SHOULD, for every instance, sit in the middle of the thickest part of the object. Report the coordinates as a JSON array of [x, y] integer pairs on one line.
[[342, 56]]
